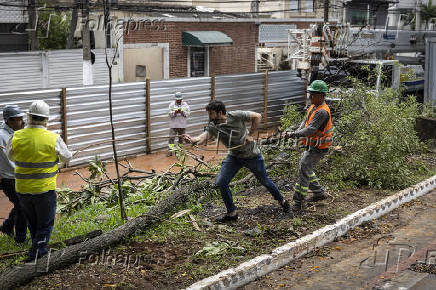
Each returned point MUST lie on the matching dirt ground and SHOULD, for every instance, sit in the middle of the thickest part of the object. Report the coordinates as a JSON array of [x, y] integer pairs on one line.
[[173, 263]]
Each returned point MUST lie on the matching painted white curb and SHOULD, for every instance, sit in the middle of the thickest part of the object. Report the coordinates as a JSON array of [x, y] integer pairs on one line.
[[264, 264]]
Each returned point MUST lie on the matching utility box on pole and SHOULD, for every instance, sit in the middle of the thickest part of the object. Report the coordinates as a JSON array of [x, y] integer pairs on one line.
[[430, 72]]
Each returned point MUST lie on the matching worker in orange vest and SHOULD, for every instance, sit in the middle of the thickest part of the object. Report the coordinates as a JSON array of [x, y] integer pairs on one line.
[[315, 133]]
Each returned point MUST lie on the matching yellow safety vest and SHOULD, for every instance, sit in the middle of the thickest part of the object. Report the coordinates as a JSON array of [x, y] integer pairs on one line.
[[36, 160]]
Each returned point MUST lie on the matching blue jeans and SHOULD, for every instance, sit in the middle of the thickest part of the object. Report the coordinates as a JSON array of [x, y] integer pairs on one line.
[[231, 165], [16, 219], [40, 210]]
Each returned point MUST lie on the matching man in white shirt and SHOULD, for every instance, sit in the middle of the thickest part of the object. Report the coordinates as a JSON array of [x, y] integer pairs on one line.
[[178, 112]]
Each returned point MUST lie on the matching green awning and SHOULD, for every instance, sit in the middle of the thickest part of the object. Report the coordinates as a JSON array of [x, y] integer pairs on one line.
[[205, 38]]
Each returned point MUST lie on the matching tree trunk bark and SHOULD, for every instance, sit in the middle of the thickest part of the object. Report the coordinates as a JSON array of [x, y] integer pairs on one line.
[[21, 274], [73, 25]]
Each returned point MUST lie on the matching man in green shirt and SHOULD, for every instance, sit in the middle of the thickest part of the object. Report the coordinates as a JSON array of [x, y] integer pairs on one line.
[[229, 128]]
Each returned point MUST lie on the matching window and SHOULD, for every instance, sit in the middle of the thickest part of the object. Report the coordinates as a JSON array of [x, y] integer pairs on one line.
[[308, 5], [198, 61], [302, 5], [294, 5]]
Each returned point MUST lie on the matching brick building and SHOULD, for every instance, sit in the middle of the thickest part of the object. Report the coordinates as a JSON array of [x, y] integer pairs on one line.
[[170, 42], [222, 47]]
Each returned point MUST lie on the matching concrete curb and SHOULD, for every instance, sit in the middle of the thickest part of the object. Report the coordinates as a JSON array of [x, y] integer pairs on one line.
[[264, 264]]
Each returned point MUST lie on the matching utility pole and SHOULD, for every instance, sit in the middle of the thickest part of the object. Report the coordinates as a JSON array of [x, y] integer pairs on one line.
[[326, 10], [86, 44], [418, 15], [73, 24], [255, 8], [368, 14], [33, 25]]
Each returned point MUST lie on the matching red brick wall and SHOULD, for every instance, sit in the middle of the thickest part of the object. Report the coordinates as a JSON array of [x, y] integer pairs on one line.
[[238, 58]]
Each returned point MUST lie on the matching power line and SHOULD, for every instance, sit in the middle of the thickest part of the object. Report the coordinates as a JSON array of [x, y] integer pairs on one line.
[[184, 9]]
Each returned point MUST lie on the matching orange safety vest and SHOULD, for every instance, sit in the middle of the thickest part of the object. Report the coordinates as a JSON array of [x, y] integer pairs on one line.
[[321, 139]]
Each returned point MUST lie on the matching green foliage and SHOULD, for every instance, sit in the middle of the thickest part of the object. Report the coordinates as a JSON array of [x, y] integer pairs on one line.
[[53, 29], [292, 117], [97, 168], [180, 155], [428, 12], [217, 249], [376, 132], [427, 111]]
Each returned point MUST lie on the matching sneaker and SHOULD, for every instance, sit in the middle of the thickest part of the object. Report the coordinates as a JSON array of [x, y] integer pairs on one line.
[[316, 198], [227, 218], [286, 206]]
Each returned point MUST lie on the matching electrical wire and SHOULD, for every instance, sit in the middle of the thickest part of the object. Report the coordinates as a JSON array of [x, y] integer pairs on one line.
[[151, 8]]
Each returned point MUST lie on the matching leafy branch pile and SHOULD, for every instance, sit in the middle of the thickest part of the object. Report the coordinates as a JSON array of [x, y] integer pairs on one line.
[[377, 134], [138, 186], [374, 132]]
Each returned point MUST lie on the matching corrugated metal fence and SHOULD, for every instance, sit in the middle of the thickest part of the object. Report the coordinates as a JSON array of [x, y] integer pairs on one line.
[[86, 124], [49, 69]]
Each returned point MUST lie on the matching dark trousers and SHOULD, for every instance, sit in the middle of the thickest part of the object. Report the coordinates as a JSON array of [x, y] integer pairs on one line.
[[40, 210], [231, 165], [16, 220], [308, 179], [174, 132]]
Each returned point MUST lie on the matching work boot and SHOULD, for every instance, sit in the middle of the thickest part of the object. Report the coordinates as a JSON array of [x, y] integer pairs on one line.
[[286, 206], [317, 197], [299, 202]]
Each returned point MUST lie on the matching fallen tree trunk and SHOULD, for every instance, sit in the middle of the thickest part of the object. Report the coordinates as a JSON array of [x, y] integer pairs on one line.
[[59, 259], [68, 242]]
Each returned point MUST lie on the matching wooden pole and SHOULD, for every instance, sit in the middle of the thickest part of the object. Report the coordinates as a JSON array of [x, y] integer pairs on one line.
[[64, 122], [148, 116], [212, 87], [265, 101]]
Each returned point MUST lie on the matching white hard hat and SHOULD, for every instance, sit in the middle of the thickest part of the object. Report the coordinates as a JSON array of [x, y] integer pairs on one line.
[[178, 96], [39, 108]]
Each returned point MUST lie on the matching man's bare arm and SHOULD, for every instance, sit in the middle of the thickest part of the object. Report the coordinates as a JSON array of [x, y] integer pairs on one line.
[[255, 118], [200, 139]]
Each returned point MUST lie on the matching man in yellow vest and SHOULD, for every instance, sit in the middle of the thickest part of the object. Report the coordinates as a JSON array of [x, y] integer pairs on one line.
[[315, 134], [36, 152]]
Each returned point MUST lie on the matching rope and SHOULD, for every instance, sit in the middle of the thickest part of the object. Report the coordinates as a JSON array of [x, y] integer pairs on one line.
[[160, 137]]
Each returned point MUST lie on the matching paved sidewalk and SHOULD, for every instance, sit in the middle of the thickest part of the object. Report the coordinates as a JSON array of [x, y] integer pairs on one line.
[[380, 261]]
